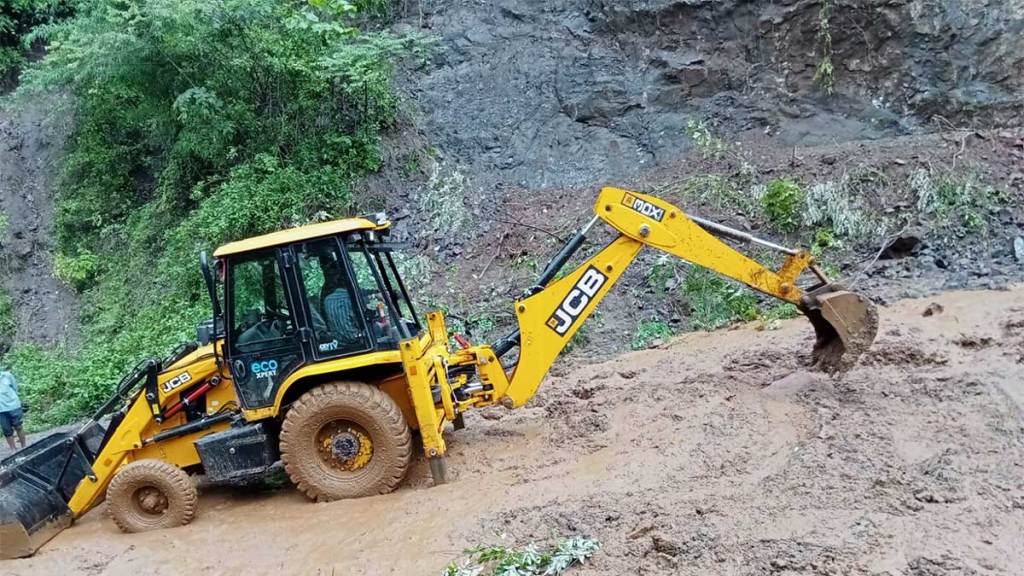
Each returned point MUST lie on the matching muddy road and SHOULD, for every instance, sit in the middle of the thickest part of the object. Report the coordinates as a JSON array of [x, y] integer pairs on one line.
[[715, 454]]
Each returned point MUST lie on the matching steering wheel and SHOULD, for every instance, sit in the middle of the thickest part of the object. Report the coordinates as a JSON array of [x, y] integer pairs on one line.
[[279, 314]]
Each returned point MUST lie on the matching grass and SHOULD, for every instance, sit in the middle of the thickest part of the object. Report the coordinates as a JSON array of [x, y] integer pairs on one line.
[[721, 193], [662, 274], [650, 331], [530, 560], [714, 301], [952, 199], [771, 317]]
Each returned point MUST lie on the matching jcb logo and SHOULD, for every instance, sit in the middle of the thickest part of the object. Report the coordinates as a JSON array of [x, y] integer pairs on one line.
[[576, 301], [644, 207], [177, 382]]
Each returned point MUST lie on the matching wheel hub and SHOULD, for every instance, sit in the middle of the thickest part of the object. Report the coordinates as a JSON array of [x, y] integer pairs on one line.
[[151, 500], [344, 446]]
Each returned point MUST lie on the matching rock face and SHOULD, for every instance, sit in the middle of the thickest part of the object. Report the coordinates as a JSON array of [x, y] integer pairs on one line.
[[570, 92]]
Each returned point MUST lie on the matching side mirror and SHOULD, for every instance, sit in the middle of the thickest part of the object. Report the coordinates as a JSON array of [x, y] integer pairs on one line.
[[211, 284], [204, 333]]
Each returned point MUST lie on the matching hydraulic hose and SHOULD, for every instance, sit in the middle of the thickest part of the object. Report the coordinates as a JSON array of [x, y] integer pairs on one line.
[[511, 340]]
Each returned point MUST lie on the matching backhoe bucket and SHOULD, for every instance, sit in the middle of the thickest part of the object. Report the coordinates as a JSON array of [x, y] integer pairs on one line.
[[35, 487], [846, 324]]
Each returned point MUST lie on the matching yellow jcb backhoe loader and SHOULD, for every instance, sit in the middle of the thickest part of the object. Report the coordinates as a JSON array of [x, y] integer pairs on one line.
[[315, 356]]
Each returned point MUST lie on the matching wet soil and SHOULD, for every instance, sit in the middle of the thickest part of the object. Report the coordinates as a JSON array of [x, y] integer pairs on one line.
[[718, 453], [31, 144]]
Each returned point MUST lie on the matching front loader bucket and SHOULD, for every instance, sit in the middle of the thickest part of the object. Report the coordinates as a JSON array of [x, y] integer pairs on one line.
[[35, 487], [846, 324]]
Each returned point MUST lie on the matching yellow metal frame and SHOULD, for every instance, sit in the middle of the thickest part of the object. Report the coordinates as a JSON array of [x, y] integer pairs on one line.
[[298, 234], [335, 366], [127, 444]]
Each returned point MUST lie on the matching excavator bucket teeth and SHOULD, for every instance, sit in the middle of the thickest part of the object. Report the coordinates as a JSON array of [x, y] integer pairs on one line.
[[846, 324], [35, 487]]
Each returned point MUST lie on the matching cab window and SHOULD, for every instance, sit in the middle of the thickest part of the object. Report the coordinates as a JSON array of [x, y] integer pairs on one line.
[[338, 327], [377, 314], [259, 306]]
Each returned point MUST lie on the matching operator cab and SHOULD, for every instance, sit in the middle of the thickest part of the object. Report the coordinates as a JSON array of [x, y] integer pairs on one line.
[[309, 294]]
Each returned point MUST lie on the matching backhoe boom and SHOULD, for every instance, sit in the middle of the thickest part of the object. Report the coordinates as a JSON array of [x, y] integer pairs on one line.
[[552, 311]]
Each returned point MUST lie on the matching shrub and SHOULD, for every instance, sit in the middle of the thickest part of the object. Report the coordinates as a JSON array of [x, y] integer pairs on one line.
[[956, 199], [709, 145], [783, 202], [7, 324], [714, 301], [531, 560], [78, 271], [833, 205]]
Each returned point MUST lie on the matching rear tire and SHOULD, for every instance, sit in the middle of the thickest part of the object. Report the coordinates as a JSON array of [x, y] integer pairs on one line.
[[151, 495], [345, 440]]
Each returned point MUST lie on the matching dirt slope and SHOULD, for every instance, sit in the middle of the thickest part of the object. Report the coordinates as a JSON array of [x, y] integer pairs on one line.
[[31, 144], [717, 454]]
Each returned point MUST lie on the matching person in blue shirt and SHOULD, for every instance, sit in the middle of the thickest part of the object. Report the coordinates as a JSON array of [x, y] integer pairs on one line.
[[10, 409]]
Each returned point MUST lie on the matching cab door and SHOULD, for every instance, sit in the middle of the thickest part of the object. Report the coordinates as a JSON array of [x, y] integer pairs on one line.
[[335, 314], [264, 342]]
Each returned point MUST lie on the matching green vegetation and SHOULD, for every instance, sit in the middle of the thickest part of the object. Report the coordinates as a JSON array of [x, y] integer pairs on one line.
[[711, 147], [443, 199], [6, 320], [836, 207], [824, 74], [771, 317], [531, 560], [650, 331], [197, 122], [714, 301], [956, 199], [17, 19], [78, 271], [783, 203], [824, 238], [662, 274]]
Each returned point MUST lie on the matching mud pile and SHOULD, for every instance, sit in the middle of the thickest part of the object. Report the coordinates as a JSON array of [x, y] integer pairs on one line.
[[717, 454]]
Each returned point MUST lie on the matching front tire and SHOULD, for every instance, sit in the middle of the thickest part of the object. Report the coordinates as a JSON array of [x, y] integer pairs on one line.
[[151, 495], [345, 440]]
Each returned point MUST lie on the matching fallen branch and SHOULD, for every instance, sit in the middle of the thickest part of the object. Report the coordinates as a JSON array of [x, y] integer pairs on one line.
[[501, 244], [886, 241], [532, 227]]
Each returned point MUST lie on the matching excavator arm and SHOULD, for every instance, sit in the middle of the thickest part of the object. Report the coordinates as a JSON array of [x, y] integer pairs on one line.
[[551, 316], [552, 311], [845, 323]]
